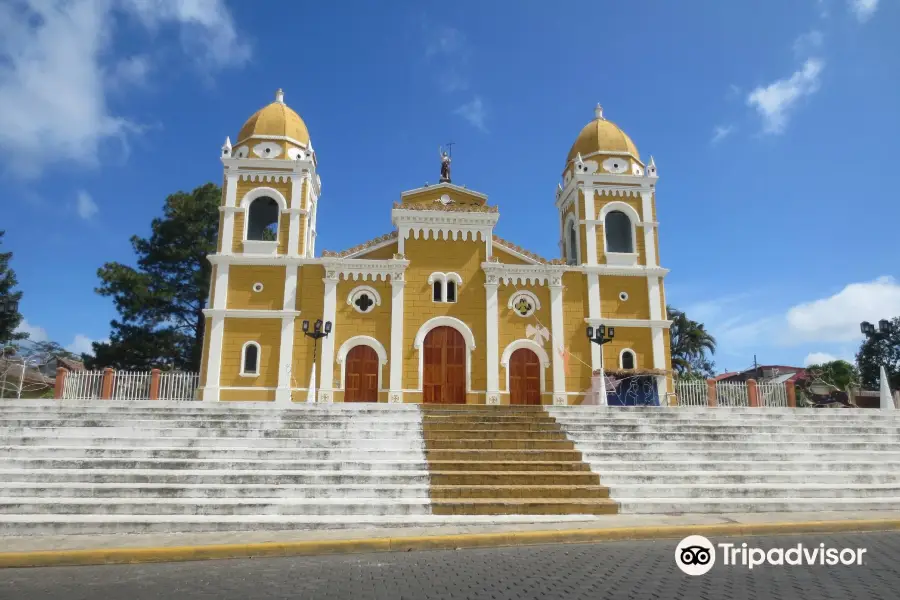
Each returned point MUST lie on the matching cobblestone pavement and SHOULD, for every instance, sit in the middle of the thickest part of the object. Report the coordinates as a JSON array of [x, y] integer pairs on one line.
[[628, 570]]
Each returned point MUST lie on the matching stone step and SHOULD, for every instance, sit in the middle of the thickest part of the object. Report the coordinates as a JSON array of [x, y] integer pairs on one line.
[[411, 443], [701, 429], [518, 491], [767, 419], [489, 418], [752, 505], [200, 432], [213, 506], [525, 506], [219, 477], [339, 454], [500, 444], [530, 478], [354, 425], [753, 445], [117, 524], [700, 478], [194, 490], [748, 465], [520, 465], [503, 455], [776, 452], [489, 434], [786, 491], [429, 426], [200, 463]]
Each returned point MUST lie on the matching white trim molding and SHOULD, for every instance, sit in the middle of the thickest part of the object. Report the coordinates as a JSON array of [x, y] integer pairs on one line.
[[262, 192], [528, 345], [627, 271], [633, 358], [241, 313], [456, 324], [442, 224], [244, 372], [358, 269], [628, 323], [444, 278], [522, 274], [353, 342], [363, 289], [572, 220], [444, 186]]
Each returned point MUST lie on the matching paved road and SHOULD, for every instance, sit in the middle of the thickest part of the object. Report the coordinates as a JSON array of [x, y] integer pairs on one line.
[[627, 570]]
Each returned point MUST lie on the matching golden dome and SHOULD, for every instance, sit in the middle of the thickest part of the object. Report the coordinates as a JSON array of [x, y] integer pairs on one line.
[[601, 136], [276, 119]]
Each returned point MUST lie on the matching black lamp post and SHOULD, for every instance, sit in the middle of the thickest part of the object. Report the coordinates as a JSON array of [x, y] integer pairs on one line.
[[601, 335], [316, 334], [869, 330]]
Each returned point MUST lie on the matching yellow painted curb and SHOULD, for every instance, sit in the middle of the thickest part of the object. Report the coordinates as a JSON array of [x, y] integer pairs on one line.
[[437, 542]]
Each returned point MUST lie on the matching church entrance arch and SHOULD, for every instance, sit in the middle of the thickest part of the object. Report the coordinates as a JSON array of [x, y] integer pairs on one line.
[[444, 367], [524, 377], [361, 378]]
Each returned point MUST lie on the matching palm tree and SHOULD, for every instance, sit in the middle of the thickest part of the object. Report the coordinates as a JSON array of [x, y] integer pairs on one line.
[[690, 343]]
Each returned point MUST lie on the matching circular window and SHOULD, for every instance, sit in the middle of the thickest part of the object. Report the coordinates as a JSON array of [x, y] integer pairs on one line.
[[363, 299], [257, 287], [623, 296], [523, 304]]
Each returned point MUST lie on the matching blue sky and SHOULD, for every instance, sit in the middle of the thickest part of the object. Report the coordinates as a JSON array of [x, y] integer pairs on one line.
[[774, 126]]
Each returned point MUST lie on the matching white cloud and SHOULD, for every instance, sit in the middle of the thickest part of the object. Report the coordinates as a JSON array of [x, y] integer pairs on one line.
[[35, 333], [775, 101], [57, 66], [817, 358], [446, 41], [81, 344], [473, 112], [721, 132], [863, 9], [85, 205], [837, 318], [808, 43]]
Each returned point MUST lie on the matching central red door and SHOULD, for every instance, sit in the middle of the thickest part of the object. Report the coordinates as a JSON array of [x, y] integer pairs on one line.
[[524, 377], [361, 383], [444, 367]]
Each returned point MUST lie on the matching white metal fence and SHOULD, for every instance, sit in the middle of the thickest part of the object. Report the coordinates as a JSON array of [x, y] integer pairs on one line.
[[134, 385], [772, 394], [178, 386], [83, 384], [731, 393], [691, 392]]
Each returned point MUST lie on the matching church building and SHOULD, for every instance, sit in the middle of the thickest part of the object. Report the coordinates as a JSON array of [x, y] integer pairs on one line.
[[440, 310]]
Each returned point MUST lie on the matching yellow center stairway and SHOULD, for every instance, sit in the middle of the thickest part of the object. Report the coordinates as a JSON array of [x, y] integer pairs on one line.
[[486, 460]]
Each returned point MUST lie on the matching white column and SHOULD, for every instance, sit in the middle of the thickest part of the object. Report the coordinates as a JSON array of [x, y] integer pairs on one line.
[[395, 393], [657, 339], [214, 360], [591, 228], [220, 297], [231, 183], [556, 331], [492, 342], [306, 183], [286, 351], [649, 239], [326, 378], [594, 307], [311, 218]]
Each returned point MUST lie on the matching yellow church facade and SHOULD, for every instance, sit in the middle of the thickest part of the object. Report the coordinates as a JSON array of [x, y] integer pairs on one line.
[[440, 310]]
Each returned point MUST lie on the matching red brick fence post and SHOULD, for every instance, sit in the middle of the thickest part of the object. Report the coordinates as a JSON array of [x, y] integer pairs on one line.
[[60, 384], [108, 376], [711, 392], [752, 393], [154, 384]]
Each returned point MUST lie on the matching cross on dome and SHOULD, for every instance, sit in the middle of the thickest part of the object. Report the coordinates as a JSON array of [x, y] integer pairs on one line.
[[279, 96], [598, 111]]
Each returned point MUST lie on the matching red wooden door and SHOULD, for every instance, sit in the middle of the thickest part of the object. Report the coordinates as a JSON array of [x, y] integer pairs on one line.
[[361, 379], [524, 377], [444, 367]]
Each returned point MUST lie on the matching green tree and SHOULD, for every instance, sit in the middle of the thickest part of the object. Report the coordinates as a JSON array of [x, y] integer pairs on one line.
[[836, 374], [691, 345], [8, 282], [161, 301], [881, 350]]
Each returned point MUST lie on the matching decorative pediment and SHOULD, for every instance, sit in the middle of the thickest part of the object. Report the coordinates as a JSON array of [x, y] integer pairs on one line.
[[496, 273], [354, 269]]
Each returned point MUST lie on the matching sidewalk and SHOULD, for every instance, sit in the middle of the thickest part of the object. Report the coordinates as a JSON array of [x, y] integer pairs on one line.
[[20, 551]]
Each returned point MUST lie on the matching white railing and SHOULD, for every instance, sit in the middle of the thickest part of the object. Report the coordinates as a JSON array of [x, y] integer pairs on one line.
[[691, 392], [731, 393], [133, 385], [83, 384], [772, 395], [178, 386]]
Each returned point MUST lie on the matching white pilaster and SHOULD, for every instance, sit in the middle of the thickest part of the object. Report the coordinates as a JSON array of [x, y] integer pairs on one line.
[[395, 393], [307, 195], [326, 379], [214, 360], [492, 343], [286, 351], [590, 214], [649, 239], [557, 334], [594, 307]]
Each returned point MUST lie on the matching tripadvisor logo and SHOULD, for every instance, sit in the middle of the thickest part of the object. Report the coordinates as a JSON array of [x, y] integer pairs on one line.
[[696, 555]]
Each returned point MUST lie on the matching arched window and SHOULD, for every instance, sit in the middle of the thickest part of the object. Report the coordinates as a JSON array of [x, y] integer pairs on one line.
[[451, 291], [250, 359], [618, 230], [437, 290], [571, 243], [627, 360], [262, 223], [444, 286]]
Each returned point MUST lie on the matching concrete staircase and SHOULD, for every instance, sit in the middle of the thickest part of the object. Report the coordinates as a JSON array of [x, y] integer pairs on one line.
[[496, 460], [103, 467], [699, 460]]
